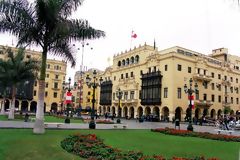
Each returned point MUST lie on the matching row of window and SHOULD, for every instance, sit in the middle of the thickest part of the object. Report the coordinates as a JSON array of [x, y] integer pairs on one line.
[[179, 96], [125, 95], [56, 67], [55, 94], [128, 61]]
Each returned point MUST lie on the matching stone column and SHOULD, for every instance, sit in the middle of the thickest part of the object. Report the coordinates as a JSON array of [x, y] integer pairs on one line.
[[2, 107]]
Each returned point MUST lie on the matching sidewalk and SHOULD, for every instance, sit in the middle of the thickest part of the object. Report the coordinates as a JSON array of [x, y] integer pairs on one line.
[[131, 124]]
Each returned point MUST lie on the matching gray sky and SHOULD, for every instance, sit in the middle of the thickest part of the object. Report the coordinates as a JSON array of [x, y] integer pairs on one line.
[[199, 25]]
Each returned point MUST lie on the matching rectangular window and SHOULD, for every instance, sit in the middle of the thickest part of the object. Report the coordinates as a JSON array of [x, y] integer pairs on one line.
[[212, 74], [231, 79], [55, 85], [55, 95], [213, 86], [219, 99], [46, 94], [236, 90], [126, 95], [179, 67], [165, 94], [149, 70], [225, 77], [189, 70], [132, 95], [237, 101], [204, 72], [232, 100], [204, 96], [179, 93], [197, 95], [166, 67], [35, 84], [236, 80], [114, 78], [213, 97], [46, 85], [47, 75], [114, 96], [219, 76], [126, 75], [198, 70], [131, 74], [121, 76], [154, 69], [34, 93], [219, 87]]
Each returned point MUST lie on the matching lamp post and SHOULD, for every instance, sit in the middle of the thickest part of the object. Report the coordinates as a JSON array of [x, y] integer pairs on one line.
[[190, 92], [94, 85], [119, 94]]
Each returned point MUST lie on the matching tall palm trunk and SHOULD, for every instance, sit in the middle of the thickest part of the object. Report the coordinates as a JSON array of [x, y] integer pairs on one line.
[[39, 123], [12, 107]]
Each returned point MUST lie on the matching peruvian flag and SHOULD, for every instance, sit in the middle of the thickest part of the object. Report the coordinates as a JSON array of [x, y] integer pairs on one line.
[[191, 100], [134, 35], [68, 98]]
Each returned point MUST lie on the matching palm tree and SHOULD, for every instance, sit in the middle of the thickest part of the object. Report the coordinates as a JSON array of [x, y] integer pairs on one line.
[[45, 23], [16, 70]]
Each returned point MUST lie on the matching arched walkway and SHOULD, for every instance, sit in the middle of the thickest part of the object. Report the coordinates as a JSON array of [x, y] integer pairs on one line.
[[165, 114], [147, 111], [156, 112], [33, 106], [104, 110], [178, 113], [7, 104], [24, 106], [54, 107], [17, 104], [213, 113], [108, 109], [197, 113], [113, 111], [187, 114], [219, 113], [140, 112], [205, 112], [125, 112], [100, 110], [131, 112]]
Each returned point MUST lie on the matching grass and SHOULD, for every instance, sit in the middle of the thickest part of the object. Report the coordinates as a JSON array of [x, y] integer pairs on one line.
[[47, 119], [18, 144]]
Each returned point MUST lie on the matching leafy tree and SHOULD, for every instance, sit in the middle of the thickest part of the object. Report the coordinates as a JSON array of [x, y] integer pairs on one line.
[[15, 70], [45, 23]]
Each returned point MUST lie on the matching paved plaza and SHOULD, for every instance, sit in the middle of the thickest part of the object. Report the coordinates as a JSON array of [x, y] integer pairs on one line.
[[130, 124]]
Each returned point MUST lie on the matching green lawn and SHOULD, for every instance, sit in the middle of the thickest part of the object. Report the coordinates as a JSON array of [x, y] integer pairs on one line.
[[21, 144], [47, 119]]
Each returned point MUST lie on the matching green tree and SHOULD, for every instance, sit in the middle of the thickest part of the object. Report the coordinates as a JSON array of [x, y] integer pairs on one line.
[[45, 23], [15, 70]]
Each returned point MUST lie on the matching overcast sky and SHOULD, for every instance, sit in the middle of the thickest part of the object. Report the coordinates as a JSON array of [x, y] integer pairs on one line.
[[199, 25]]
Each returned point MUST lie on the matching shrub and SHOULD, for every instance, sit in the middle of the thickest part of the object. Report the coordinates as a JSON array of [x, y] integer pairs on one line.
[[92, 124], [118, 120], [67, 120]]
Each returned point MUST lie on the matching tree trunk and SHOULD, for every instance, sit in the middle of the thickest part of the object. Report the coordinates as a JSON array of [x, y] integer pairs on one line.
[[39, 123], [12, 107], [2, 107]]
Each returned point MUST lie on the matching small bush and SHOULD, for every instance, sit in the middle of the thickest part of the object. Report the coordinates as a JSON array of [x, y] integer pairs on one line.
[[118, 120], [67, 120]]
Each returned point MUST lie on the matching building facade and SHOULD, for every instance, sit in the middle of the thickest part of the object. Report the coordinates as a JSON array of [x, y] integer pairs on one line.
[[152, 83], [27, 93]]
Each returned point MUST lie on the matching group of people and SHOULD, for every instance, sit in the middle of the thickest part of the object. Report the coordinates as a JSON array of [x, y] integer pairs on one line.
[[227, 122]]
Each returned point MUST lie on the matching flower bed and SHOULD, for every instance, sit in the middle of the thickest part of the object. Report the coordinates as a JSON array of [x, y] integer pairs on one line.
[[92, 148], [206, 135]]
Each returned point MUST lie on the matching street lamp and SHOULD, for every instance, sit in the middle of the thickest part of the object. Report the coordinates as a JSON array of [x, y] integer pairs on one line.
[[119, 94], [94, 85], [190, 91]]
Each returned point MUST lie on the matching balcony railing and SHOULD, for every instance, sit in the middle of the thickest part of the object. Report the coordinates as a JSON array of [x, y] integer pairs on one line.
[[202, 77], [203, 103], [226, 82]]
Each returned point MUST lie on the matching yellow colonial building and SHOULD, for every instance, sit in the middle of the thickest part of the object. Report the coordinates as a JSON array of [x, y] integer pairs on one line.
[[27, 94], [152, 83]]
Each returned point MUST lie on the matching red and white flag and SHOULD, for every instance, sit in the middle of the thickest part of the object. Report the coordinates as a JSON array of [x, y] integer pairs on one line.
[[68, 98], [191, 100], [134, 35]]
